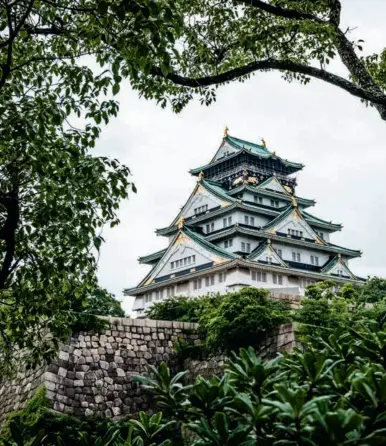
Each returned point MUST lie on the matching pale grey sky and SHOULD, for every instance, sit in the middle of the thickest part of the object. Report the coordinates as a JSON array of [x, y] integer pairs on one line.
[[341, 142]]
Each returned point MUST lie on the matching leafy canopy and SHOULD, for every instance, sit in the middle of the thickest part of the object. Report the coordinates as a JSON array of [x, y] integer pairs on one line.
[[61, 61], [233, 39]]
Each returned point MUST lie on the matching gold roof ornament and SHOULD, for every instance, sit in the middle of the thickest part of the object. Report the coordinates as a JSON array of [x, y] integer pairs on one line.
[[181, 223], [252, 180], [288, 189], [294, 202], [263, 143], [269, 241], [226, 130], [340, 257], [201, 176], [237, 181]]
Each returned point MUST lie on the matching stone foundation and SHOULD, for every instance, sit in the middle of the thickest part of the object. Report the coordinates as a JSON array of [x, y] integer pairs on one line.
[[94, 373]]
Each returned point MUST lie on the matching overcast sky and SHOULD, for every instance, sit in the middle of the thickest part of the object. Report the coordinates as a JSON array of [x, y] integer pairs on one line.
[[341, 142]]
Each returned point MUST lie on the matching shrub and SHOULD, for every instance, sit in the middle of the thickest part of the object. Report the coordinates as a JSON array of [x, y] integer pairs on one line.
[[226, 322], [334, 393], [324, 310], [241, 319], [181, 308]]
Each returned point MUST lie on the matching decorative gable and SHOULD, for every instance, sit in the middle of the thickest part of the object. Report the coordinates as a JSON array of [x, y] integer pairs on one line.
[[201, 200], [273, 184], [337, 267], [187, 254], [266, 254], [293, 223], [224, 150]]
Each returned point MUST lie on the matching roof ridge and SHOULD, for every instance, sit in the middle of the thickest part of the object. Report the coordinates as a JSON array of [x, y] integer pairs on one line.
[[205, 243], [279, 217], [221, 192], [321, 220]]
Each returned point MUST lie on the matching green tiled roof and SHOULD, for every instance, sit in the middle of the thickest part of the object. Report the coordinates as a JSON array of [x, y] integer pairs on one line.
[[279, 218], [238, 143], [208, 245], [357, 252], [216, 189], [151, 258], [270, 193], [261, 233], [313, 219], [248, 147]]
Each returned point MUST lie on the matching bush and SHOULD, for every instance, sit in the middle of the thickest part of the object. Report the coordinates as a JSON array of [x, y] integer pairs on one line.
[[38, 425], [334, 393], [374, 290], [226, 322], [181, 308], [242, 319], [324, 310]]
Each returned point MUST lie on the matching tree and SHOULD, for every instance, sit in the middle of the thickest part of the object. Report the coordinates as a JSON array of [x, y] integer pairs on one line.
[[229, 40], [102, 303], [55, 197]]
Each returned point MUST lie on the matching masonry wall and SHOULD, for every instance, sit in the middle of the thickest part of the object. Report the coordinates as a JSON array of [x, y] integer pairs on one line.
[[94, 373]]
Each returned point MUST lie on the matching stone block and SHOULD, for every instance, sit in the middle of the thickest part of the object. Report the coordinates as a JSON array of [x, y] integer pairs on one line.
[[64, 355], [104, 365], [62, 372]]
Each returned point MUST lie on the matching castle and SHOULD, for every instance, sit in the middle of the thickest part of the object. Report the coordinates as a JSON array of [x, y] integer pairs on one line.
[[243, 225]]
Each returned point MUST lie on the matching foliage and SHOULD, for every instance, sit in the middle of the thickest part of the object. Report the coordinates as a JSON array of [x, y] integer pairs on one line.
[[226, 322], [374, 290], [181, 308], [328, 307], [55, 196], [37, 425], [332, 393], [98, 303], [241, 319], [225, 41], [103, 303]]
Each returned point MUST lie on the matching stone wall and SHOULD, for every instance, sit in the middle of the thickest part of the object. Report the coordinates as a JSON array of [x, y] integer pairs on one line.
[[94, 373]]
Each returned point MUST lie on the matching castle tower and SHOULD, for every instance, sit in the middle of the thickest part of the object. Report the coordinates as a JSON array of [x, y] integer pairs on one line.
[[243, 225]]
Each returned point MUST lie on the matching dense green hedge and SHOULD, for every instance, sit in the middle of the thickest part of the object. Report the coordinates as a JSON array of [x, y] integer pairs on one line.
[[226, 322]]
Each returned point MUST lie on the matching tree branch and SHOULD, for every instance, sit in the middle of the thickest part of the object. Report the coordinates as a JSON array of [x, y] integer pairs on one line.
[[273, 64], [10, 202], [279, 11]]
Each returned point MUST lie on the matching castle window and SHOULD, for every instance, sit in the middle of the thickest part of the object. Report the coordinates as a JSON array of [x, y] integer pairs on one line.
[[296, 256], [258, 276], [228, 243], [315, 260], [278, 252], [227, 222], [209, 228], [197, 284], [148, 297], [183, 262], [222, 277], [245, 247], [159, 294], [169, 291], [277, 279], [201, 209]]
